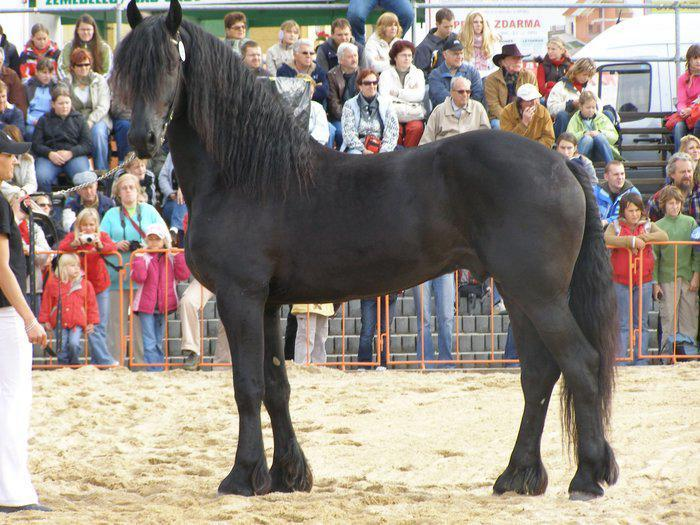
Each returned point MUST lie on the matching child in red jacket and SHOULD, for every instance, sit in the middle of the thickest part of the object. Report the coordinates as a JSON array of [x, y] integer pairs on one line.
[[87, 237], [78, 307]]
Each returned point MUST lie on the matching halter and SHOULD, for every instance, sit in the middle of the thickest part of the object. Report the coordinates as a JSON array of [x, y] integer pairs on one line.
[[177, 42]]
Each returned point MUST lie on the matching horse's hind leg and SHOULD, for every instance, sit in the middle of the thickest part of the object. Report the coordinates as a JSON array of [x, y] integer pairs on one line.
[[242, 316], [525, 473], [290, 470]]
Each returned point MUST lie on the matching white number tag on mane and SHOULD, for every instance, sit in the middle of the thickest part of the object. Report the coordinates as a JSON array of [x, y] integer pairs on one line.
[[181, 49]]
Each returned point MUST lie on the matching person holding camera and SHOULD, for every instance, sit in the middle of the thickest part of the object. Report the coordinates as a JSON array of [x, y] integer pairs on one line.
[[91, 245]]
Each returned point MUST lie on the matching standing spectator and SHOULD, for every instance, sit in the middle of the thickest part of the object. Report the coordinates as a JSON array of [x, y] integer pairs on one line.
[[429, 51], [281, 53], [342, 86], [235, 26], [386, 32], [36, 48], [87, 36], [563, 100], [566, 144], [174, 207], [303, 62], [147, 179], [677, 272], [633, 230], [318, 125], [443, 288], [453, 66], [87, 197], [479, 41], [252, 58], [38, 94], [79, 313], [61, 141], [121, 124], [679, 169], [327, 53], [23, 181], [404, 85], [688, 93], [156, 297], [91, 97], [457, 114], [501, 86], [312, 332], [359, 10], [595, 133], [690, 144], [9, 115], [368, 326], [527, 117], [369, 118], [15, 90], [86, 237], [10, 56], [552, 68], [609, 193]]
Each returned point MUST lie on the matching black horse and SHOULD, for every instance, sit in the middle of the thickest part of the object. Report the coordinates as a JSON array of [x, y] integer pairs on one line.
[[276, 218]]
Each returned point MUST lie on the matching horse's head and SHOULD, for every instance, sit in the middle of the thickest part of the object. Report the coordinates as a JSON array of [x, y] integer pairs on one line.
[[147, 75]]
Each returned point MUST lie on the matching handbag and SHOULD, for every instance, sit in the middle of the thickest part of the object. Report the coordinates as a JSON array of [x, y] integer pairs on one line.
[[694, 116], [408, 111], [672, 120]]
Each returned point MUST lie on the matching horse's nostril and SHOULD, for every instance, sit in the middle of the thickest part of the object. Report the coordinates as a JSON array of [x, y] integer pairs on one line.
[[151, 138]]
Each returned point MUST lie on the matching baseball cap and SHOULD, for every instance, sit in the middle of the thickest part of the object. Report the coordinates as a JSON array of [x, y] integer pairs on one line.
[[12, 147], [156, 229], [452, 45], [528, 92]]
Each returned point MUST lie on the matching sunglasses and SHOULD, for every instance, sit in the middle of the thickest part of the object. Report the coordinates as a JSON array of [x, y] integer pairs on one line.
[[307, 53], [43, 204], [462, 91], [369, 82], [86, 64]]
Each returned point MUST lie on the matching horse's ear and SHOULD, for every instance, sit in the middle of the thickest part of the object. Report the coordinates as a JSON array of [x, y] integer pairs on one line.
[[133, 15], [174, 18]]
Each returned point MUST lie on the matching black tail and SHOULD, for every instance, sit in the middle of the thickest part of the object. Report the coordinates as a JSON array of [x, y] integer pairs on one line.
[[594, 306]]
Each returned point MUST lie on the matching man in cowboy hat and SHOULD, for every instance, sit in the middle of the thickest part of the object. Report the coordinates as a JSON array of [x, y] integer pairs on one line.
[[527, 117], [500, 87]]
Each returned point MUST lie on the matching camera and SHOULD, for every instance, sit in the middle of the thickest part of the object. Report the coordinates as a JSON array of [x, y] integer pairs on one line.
[[134, 245], [88, 238]]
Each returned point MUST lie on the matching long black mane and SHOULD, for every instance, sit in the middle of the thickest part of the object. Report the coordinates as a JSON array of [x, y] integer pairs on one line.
[[238, 119]]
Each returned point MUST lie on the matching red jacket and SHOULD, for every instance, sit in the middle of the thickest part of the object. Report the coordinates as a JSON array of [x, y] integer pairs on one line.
[[620, 256], [550, 72], [31, 55], [74, 297], [96, 270]]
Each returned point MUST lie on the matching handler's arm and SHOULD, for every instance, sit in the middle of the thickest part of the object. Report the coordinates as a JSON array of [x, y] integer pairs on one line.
[[11, 289]]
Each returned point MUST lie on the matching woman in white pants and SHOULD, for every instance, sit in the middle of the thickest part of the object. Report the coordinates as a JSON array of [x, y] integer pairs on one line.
[[18, 329]]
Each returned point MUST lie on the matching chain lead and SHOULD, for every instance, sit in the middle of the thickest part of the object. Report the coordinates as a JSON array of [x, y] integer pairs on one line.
[[129, 157]]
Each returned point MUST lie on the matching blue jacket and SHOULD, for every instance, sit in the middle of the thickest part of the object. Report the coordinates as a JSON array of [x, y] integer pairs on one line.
[[439, 83], [13, 117], [609, 209], [318, 74]]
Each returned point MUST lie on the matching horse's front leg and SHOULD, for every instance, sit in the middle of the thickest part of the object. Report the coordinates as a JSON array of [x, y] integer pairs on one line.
[[290, 471], [242, 316]]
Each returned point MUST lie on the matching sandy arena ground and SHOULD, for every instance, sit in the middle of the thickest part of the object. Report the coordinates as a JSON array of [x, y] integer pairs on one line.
[[386, 447]]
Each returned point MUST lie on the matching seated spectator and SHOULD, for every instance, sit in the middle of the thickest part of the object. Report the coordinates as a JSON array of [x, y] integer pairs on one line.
[[690, 144], [9, 115], [480, 42], [595, 133], [676, 273], [147, 179], [282, 53], [368, 327], [368, 119], [566, 144], [679, 169], [563, 100], [235, 26], [61, 141], [342, 86], [15, 90], [609, 193], [121, 124], [453, 66], [38, 93], [37, 47], [688, 94], [359, 10], [429, 51], [318, 122], [10, 56], [174, 207], [86, 237], [457, 114], [327, 53], [527, 117], [404, 84], [87, 36], [633, 230], [23, 182], [74, 293], [303, 62], [312, 332], [386, 32], [252, 58], [91, 98], [501, 86], [151, 303], [87, 197], [552, 68]]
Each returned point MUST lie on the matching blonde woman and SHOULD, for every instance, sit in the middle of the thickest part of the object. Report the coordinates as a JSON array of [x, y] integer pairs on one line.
[[480, 42], [690, 144], [552, 68], [281, 53], [564, 97], [386, 32]]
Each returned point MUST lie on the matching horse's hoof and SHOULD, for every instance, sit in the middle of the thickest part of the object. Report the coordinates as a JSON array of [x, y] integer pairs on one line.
[[247, 483], [583, 496], [531, 480], [291, 472]]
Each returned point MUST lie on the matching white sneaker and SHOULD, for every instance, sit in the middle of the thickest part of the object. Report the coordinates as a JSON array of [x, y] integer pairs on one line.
[[380, 368]]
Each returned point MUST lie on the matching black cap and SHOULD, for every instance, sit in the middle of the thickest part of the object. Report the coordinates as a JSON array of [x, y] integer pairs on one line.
[[452, 45], [12, 147]]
